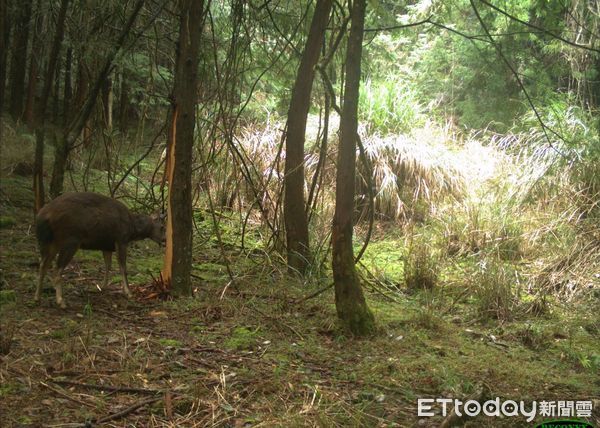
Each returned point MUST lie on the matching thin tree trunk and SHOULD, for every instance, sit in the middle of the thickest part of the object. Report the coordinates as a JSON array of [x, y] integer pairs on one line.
[[56, 91], [68, 88], [72, 132], [124, 104], [178, 253], [83, 83], [83, 89], [107, 103], [6, 23], [38, 167], [296, 223], [18, 65], [34, 65], [349, 299]]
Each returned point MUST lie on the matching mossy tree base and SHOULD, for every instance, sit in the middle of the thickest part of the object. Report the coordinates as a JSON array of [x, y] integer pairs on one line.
[[351, 307]]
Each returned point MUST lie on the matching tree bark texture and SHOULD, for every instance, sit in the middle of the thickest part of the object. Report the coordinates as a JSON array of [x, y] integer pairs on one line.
[[124, 103], [34, 65], [38, 167], [5, 23], [107, 103], [18, 65], [296, 223], [56, 90], [76, 126], [68, 87], [178, 253], [349, 299]]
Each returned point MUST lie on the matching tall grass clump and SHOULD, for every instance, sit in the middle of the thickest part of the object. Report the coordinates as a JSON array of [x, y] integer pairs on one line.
[[496, 288], [412, 174], [421, 266], [585, 178], [475, 228], [18, 146], [389, 106]]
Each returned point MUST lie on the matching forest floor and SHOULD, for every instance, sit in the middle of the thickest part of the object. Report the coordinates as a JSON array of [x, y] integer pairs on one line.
[[256, 352]]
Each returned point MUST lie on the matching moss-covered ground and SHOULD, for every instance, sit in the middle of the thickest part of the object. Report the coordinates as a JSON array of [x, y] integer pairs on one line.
[[255, 352]]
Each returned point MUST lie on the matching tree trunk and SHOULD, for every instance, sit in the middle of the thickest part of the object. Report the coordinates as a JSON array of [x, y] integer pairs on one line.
[[81, 94], [107, 103], [56, 90], [5, 23], [74, 129], [83, 83], [38, 167], [18, 65], [34, 66], [68, 88], [124, 104], [178, 254], [61, 156], [349, 299], [296, 223]]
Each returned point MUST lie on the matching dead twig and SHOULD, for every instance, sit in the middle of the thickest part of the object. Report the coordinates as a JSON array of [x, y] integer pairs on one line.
[[67, 396], [315, 294], [106, 387], [128, 410]]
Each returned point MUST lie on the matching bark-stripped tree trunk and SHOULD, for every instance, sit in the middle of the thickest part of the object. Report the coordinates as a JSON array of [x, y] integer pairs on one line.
[[38, 167], [178, 253], [349, 299], [296, 223], [18, 66], [5, 23], [73, 131]]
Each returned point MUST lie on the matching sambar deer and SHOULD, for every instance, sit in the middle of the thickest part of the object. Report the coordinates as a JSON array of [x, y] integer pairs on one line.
[[91, 222]]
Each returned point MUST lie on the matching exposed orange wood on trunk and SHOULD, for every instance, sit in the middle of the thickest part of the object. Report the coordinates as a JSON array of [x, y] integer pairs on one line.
[[167, 272]]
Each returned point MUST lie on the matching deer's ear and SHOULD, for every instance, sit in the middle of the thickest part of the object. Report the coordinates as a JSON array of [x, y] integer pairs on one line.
[[159, 216]]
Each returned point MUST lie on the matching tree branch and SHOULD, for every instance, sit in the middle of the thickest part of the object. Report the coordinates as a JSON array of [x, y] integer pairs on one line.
[[536, 27], [544, 127]]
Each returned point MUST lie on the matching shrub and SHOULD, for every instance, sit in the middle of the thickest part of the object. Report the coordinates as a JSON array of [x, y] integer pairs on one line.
[[495, 287], [421, 270]]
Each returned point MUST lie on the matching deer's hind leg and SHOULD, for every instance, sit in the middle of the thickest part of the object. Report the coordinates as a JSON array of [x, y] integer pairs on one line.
[[65, 255], [107, 264], [122, 257], [48, 253]]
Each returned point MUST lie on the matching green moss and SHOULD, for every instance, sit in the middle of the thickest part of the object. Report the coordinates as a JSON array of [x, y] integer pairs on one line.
[[7, 389], [7, 296], [68, 330], [384, 259], [241, 338], [357, 319], [7, 221], [173, 343]]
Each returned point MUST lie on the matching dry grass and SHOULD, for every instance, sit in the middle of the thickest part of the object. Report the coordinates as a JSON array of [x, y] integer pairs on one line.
[[249, 354], [412, 174], [17, 150]]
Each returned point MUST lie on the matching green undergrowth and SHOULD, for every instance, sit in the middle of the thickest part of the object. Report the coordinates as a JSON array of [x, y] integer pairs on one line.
[[254, 353], [461, 300]]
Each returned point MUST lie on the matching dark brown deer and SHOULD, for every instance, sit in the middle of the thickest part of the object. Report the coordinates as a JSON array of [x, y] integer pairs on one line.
[[91, 222]]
